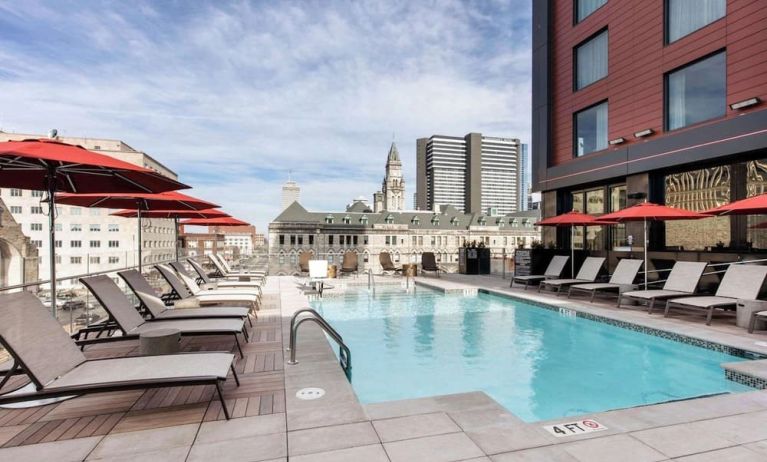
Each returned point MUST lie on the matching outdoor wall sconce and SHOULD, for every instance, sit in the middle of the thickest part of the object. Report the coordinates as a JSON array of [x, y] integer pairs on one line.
[[745, 103], [643, 133], [618, 140]]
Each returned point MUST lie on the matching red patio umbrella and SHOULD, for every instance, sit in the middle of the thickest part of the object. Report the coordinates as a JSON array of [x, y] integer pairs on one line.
[[224, 221], [649, 211], [755, 205], [53, 166], [138, 202], [572, 219]]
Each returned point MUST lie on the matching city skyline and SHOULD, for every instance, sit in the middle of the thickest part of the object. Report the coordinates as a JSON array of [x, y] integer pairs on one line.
[[207, 91]]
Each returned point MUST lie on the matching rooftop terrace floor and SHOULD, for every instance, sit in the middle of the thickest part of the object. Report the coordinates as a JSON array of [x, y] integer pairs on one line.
[[271, 424]]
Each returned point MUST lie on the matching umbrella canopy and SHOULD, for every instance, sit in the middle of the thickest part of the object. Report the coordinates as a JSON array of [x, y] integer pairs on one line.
[[53, 166], [207, 213], [751, 206], [649, 211], [29, 164], [573, 218], [225, 221], [138, 201]]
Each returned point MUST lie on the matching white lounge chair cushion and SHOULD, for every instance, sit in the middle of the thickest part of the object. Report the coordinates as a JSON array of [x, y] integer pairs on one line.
[[655, 293], [564, 282], [229, 291], [705, 301], [203, 312], [224, 298], [143, 368], [596, 286], [191, 326], [532, 277]]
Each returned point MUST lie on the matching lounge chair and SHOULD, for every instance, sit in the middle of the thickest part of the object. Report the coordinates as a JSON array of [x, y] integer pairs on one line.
[[588, 273], [740, 281], [132, 325], [623, 276], [387, 266], [553, 271], [221, 283], [156, 309], [180, 290], [224, 271], [429, 263], [191, 283], [349, 263], [683, 280], [56, 366]]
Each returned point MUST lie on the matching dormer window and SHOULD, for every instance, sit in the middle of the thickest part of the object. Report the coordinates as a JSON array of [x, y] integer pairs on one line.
[[482, 221], [435, 220], [500, 221], [389, 219], [347, 219], [415, 220], [329, 219], [364, 219], [454, 221]]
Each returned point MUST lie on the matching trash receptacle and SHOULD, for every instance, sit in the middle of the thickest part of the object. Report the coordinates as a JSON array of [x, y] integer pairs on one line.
[[744, 310]]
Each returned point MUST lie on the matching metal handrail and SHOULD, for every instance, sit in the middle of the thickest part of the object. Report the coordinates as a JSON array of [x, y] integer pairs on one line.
[[371, 280], [345, 354]]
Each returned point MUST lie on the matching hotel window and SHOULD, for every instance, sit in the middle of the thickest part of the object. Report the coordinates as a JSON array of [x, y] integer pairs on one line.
[[354, 240], [75, 244], [36, 226], [292, 239], [76, 211], [95, 244], [58, 259], [15, 192], [114, 244], [414, 240], [329, 219], [341, 239], [697, 92], [698, 190], [684, 17], [37, 210], [300, 239], [420, 241], [94, 260], [37, 244], [584, 8], [330, 239], [113, 228], [114, 260], [94, 227], [591, 130], [433, 241], [282, 239], [617, 202], [95, 212], [388, 240], [311, 239], [15, 209], [347, 220], [365, 240], [591, 61], [58, 227], [75, 260], [58, 244], [36, 193], [75, 227]]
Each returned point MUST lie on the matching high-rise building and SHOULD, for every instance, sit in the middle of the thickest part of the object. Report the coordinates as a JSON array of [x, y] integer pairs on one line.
[[524, 177], [474, 174], [660, 101], [89, 240], [242, 237], [291, 192]]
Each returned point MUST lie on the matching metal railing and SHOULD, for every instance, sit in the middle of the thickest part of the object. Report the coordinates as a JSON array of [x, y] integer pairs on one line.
[[344, 354]]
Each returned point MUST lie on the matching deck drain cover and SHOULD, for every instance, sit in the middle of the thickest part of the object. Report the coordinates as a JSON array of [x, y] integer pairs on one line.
[[310, 393]]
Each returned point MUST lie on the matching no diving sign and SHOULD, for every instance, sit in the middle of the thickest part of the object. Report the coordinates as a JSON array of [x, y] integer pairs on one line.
[[578, 427]]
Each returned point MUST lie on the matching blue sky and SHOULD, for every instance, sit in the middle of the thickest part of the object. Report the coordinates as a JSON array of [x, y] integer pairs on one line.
[[234, 95]]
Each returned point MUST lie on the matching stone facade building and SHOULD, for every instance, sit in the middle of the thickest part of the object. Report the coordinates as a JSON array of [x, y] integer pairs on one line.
[[392, 194], [18, 255], [404, 234]]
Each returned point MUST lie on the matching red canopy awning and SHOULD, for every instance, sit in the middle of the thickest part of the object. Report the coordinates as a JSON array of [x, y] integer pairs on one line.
[[650, 211], [574, 218], [225, 221], [207, 213], [751, 206], [161, 201], [27, 165]]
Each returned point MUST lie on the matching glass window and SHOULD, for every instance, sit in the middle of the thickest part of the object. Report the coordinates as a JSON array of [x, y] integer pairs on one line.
[[37, 210], [311, 239], [95, 244], [697, 92], [330, 239], [15, 192], [698, 190], [756, 184], [94, 260], [591, 61], [36, 193], [618, 202], [687, 16], [76, 211], [292, 239], [36, 226], [114, 228], [595, 202], [113, 260], [15, 209], [282, 239], [354, 239], [584, 8], [75, 260], [95, 227], [591, 130], [114, 244], [578, 202], [301, 239], [75, 244]]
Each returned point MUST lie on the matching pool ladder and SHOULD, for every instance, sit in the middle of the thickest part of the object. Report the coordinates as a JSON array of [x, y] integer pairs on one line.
[[344, 354]]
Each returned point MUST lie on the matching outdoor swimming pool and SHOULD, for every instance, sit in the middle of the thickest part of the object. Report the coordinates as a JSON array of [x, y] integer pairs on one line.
[[538, 363]]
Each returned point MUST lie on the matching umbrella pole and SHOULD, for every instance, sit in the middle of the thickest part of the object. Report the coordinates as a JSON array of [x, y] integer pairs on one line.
[[645, 253], [175, 223], [139, 239], [572, 251], [52, 234]]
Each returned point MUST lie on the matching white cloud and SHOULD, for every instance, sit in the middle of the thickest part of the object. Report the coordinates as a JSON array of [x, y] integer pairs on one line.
[[233, 95]]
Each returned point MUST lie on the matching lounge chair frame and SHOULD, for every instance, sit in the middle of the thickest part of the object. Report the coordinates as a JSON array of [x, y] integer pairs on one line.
[[625, 273], [553, 271]]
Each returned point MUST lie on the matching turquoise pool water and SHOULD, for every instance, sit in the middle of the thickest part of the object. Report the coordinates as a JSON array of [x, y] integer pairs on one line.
[[537, 363]]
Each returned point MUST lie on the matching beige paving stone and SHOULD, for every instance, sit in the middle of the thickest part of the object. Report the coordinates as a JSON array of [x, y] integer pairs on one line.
[[495, 439], [681, 440], [621, 448], [250, 449], [417, 426], [441, 448], [324, 416], [161, 455], [145, 440], [759, 447], [371, 453], [743, 428], [335, 437], [734, 454], [222, 430], [59, 451], [545, 454]]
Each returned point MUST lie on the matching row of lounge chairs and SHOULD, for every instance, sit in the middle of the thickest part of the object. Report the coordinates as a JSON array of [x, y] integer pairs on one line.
[[350, 265], [56, 366], [740, 282]]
